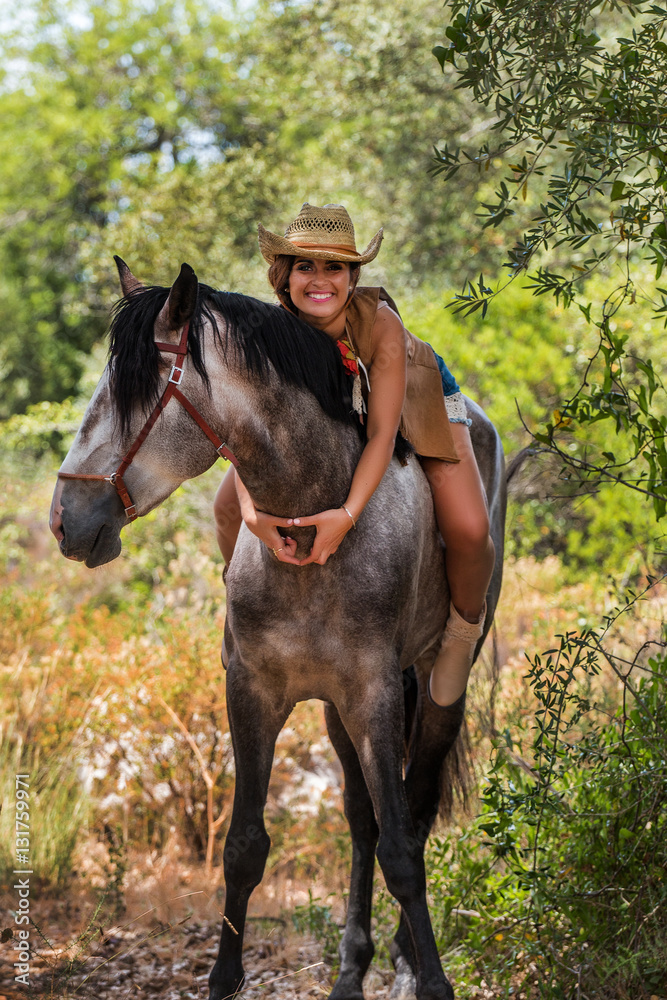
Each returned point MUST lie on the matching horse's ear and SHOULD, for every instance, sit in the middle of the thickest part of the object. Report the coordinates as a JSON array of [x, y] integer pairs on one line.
[[128, 282], [181, 303]]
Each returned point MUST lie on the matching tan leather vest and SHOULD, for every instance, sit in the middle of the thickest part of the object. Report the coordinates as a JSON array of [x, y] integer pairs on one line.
[[424, 420]]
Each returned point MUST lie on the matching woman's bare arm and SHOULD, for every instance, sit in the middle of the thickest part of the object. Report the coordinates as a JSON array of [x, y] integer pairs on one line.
[[385, 404]]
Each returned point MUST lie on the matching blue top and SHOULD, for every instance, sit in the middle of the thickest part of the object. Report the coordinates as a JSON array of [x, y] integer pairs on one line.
[[449, 383]]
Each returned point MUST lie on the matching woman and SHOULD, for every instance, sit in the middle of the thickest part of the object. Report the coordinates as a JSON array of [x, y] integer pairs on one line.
[[315, 271]]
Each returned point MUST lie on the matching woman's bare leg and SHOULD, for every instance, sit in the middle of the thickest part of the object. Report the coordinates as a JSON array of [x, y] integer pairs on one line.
[[227, 513], [462, 516]]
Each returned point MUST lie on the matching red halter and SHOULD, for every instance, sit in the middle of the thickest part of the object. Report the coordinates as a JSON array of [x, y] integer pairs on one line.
[[116, 478]]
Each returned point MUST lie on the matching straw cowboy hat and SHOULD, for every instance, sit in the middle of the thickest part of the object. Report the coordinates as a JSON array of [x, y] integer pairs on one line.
[[324, 233]]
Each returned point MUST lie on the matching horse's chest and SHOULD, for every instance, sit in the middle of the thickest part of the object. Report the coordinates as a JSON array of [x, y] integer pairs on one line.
[[297, 637]]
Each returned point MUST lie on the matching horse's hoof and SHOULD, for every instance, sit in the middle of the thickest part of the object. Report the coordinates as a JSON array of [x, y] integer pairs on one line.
[[439, 989], [216, 990], [346, 989]]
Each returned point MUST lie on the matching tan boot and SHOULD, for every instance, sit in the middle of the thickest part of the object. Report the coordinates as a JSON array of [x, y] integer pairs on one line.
[[449, 676]]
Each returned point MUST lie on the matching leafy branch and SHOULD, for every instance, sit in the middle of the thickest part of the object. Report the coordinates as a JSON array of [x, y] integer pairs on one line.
[[578, 93]]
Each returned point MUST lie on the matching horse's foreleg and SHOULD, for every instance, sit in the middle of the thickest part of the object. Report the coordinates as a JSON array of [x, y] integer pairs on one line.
[[356, 947], [254, 723], [375, 725], [432, 738]]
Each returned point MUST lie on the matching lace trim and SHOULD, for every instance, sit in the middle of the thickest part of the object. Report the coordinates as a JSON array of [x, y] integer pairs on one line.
[[456, 409]]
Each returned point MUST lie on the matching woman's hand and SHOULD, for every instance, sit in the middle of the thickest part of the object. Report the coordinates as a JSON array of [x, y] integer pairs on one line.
[[265, 527], [332, 527]]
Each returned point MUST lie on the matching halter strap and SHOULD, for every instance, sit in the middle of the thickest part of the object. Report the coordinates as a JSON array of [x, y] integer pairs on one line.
[[171, 389]]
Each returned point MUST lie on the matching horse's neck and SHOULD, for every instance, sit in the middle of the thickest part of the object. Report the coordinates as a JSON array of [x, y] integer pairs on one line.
[[293, 458]]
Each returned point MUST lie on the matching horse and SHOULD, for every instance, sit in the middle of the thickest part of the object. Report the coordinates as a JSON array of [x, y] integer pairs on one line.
[[360, 633]]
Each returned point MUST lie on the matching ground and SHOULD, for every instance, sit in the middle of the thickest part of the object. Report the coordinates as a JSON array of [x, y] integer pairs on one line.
[[164, 942]]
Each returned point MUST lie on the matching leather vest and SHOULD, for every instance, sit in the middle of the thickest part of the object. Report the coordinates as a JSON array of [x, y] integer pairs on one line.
[[424, 422]]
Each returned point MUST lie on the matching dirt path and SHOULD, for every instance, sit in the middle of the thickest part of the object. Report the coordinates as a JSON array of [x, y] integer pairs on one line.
[[166, 952], [174, 964]]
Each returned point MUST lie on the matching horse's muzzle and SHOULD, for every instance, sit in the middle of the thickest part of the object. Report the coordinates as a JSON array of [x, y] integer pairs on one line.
[[92, 548]]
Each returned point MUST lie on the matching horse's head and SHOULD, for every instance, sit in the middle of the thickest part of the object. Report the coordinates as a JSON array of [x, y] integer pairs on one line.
[[281, 393], [97, 492]]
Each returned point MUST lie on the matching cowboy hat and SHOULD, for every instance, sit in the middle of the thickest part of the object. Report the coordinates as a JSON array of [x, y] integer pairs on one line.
[[324, 233]]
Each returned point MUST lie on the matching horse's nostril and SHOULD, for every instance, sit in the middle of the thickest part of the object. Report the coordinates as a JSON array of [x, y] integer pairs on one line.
[[62, 544], [55, 513]]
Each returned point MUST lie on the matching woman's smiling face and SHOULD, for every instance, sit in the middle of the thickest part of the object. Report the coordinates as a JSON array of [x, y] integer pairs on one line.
[[319, 288]]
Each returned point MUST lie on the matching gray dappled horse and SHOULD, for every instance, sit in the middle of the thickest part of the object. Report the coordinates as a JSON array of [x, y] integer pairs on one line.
[[359, 633]]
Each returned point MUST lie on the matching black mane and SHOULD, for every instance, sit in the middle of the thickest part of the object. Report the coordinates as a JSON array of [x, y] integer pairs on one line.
[[266, 336]]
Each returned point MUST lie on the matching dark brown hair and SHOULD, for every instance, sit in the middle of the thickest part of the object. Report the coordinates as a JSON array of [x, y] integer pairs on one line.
[[279, 273]]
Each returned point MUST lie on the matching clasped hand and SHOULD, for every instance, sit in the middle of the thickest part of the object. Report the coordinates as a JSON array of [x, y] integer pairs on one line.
[[331, 525]]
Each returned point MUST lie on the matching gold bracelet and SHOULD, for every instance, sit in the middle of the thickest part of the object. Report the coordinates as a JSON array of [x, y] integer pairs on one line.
[[343, 507]]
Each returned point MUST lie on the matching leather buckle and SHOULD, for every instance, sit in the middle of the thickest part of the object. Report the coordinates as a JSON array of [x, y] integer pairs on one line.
[[224, 451], [179, 377], [131, 512]]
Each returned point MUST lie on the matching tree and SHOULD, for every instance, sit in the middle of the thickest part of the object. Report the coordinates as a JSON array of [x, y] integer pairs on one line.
[[578, 119], [576, 90], [172, 130], [110, 99], [340, 104]]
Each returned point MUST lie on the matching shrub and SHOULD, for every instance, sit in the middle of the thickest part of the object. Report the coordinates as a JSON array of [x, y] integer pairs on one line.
[[564, 869]]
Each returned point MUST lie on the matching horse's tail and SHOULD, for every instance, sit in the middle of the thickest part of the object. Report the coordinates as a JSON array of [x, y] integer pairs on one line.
[[518, 461], [456, 775], [458, 779]]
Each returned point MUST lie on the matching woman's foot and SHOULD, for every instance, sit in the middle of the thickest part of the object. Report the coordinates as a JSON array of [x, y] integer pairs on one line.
[[449, 676]]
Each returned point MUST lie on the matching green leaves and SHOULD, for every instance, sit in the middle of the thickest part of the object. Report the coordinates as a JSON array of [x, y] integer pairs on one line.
[[114, 101], [172, 131], [554, 82], [578, 835], [584, 121], [617, 189], [443, 55], [457, 34], [474, 298]]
